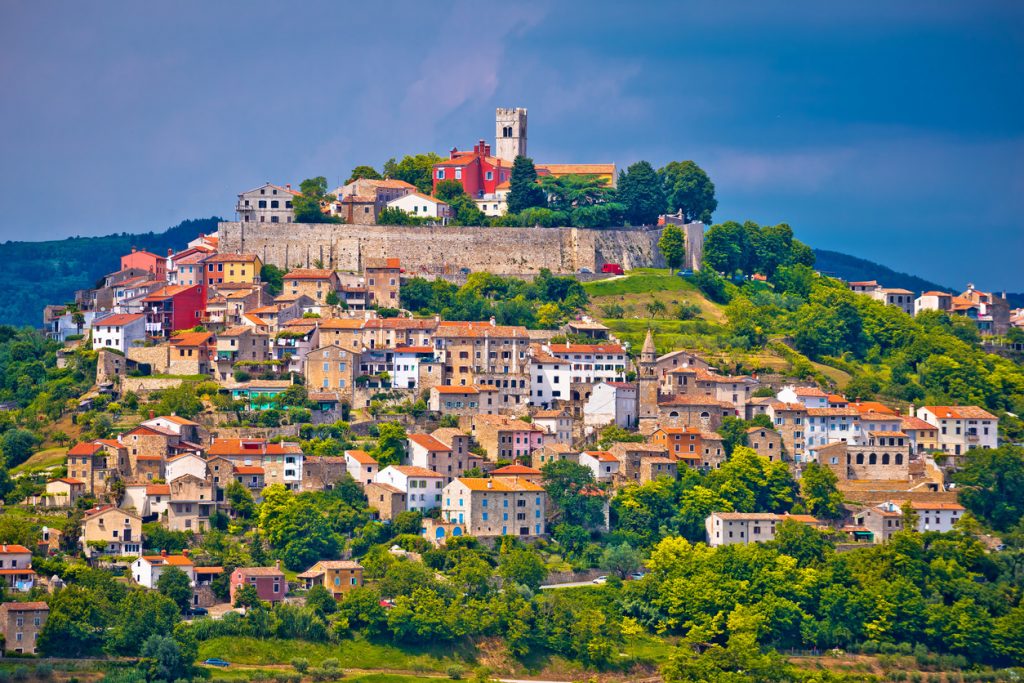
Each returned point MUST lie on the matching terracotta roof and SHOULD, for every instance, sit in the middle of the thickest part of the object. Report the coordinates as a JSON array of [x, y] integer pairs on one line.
[[25, 606], [747, 516], [837, 398], [84, 448], [578, 169], [341, 324], [917, 505], [387, 487], [26, 571], [170, 560], [915, 423], [456, 390], [309, 274], [603, 456], [390, 263], [413, 471], [13, 548], [248, 469], [401, 323], [232, 258], [447, 435], [510, 470], [332, 564], [832, 412], [889, 434], [361, 457], [168, 292], [151, 458], [158, 490], [191, 338], [260, 571], [548, 414], [250, 447], [209, 570], [500, 484], [873, 407], [413, 349], [68, 480], [587, 348], [960, 412], [864, 283], [809, 391], [428, 442], [506, 421], [782, 405], [118, 320], [751, 430], [459, 329]]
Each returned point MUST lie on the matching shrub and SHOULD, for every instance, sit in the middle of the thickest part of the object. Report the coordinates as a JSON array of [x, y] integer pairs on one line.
[[456, 672], [44, 671], [300, 664], [20, 672]]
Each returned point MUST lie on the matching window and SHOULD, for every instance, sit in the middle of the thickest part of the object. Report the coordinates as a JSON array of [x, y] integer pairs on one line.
[[458, 174], [440, 174]]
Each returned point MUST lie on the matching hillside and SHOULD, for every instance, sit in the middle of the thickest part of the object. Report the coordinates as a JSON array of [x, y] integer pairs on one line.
[[40, 273], [851, 268]]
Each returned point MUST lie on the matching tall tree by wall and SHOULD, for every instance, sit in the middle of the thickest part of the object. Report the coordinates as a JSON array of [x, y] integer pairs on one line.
[[641, 191], [307, 206], [689, 189], [363, 172], [524, 192], [415, 169], [672, 246]]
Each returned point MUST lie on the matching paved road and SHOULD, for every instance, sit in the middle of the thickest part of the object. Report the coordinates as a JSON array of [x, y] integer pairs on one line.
[[574, 584]]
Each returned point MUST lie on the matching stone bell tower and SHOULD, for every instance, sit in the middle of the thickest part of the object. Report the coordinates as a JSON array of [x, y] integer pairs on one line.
[[647, 395], [510, 133]]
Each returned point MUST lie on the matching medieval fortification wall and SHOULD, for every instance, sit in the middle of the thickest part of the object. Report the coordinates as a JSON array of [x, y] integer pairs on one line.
[[443, 249]]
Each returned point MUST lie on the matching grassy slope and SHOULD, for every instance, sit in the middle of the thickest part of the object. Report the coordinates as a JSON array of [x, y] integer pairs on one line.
[[40, 273], [358, 654], [43, 460]]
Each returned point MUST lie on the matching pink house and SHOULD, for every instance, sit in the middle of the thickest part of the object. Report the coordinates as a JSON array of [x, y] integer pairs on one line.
[[157, 265], [269, 582]]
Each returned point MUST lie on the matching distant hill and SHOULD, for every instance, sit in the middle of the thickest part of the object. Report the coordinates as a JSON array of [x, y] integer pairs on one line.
[[851, 268], [40, 273]]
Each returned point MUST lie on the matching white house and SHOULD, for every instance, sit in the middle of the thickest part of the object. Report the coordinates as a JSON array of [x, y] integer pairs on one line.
[[406, 365], [828, 425], [119, 332], [417, 204], [810, 397], [422, 487], [549, 378], [591, 363], [962, 428], [557, 426], [603, 464], [187, 463], [930, 516], [267, 203], [611, 403], [62, 327], [360, 466], [147, 569]]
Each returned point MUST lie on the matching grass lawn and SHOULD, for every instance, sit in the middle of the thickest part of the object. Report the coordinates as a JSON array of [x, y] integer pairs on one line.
[[357, 654], [43, 460], [639, 281]]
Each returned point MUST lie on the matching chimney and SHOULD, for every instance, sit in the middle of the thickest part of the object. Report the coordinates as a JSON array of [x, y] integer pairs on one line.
[[287, 186], [493, 322], [163, 553], [133, 250], [910, 410], [277, 565], [490, 484], [151, 415], [185, 552], [455, 150], [170, 252]]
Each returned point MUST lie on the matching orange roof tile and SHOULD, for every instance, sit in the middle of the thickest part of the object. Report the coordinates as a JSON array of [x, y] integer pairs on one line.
[[960, 412], [428, 442], [13, 548], [172, 560], [515, 470], [361, 457], [118, 320], [587, 348], [158, 490], [500, 484], [309, 274], [413, 471]]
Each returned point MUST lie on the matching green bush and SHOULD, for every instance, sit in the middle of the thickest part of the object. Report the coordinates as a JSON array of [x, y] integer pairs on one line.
[[300, 664], [456, 672], [44, 671]]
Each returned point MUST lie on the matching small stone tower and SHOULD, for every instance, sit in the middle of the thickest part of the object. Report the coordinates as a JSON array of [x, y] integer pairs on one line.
[[510, 133], [647, 395]]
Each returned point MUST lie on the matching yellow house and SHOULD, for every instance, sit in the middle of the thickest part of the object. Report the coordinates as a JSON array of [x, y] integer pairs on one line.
[[233, 268]]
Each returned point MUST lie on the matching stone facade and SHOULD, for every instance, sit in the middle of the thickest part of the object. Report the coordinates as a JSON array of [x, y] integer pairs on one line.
[[441, 249]]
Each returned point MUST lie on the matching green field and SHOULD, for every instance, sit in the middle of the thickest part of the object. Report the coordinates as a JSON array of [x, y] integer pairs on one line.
[[357, 654], [43, 460]]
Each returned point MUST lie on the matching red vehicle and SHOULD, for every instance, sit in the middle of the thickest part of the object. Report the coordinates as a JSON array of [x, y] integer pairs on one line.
[[613, 268]]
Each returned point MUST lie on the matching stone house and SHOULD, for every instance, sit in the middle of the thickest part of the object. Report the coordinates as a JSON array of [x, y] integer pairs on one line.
[[119, 531], [383, 282], [766, 442], [631, 457], [331, 368], [316, 283], [693, 411], [422, 486], [323, 472], [603, 464], [506, 438], [386, 499], [240, 344], [22, 622], [463, 401], [93, 464], [697, 448], [495, 507], [337, 576], [266, 204], [557, 425], [552, 453], [191, 504], [741, 528], [471, 348]]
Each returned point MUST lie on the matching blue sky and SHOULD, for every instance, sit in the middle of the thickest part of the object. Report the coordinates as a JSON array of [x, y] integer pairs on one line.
[[892, 131]]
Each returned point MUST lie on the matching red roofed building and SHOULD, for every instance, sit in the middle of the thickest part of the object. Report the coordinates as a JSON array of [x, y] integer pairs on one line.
[[478, 171], [119, 332], [174, 308], [269, 582], [147, 261]]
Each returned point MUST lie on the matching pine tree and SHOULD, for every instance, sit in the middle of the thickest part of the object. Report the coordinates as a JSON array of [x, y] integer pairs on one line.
[[524, 192], [642, 192]]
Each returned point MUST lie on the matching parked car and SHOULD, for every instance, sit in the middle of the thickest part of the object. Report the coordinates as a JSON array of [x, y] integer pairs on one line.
[[636, 576], [685, 273], [613, 268], [197, 612], [586, 270], [216, 661], [601, 579]]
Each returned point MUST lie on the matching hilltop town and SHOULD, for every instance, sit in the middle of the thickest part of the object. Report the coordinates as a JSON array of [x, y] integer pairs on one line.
[[511, 410]]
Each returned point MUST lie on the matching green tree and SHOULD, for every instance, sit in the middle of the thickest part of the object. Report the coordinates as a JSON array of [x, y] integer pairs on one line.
[[17, 445], [240, 499], [622, 559], [689, 189], [143, 614], [570, 487], [991, 485], [522, 566], [572, 191], [640, 190], [163, 657], [247, 596], [174, 584], [449, 190], [802, 541], [361, 173], [416, 169], [321, 600], [819, 487], [390, 448], [672, 246], [332, 298], [308, 206], [273, 277], [524, 191], [76, 623]]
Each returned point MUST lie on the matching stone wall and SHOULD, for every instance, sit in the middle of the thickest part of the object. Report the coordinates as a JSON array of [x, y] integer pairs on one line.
[[443, 249]]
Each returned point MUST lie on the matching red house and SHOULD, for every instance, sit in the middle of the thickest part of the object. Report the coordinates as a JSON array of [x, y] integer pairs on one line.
[[477, 171], [172, 308], [268, 581], [157, 265]]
